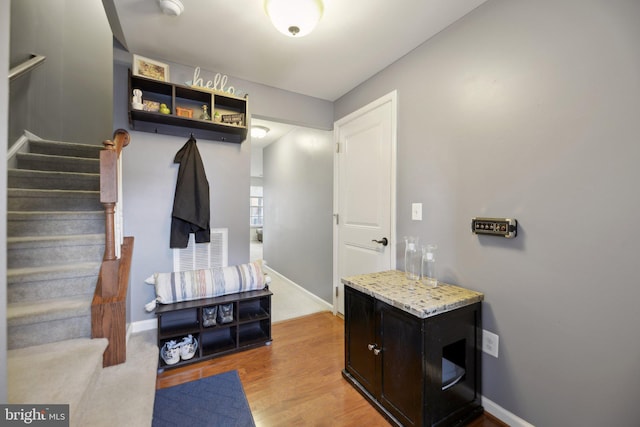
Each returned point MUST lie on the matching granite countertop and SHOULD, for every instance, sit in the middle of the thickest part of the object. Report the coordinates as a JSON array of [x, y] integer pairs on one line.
[[412, 296]]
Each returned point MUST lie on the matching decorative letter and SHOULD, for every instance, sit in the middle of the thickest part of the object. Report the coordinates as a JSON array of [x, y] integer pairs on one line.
[[197, 80]]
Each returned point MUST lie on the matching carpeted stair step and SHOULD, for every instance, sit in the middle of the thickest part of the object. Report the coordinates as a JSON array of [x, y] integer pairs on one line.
[[56, 373], [37, 251], [52, 200], [52, 180], [41, 322], [129, 387], [70, 372], [47, 162], [55, 223], [57, 281], [70, 149]]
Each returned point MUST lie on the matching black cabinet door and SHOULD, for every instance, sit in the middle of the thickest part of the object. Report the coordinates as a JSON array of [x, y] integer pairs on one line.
[[360, 339], [401, 380], [459, 337]]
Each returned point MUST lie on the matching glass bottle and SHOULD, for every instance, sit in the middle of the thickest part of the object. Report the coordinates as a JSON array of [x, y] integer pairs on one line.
[[205, 115], [428, 269], [412, 258]]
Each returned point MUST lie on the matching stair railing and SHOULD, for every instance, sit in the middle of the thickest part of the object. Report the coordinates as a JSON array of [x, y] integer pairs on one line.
[[108, 309], [26, 66]]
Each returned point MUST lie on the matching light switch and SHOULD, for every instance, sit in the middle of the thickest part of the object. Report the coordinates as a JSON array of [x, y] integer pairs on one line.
[[416, 211]]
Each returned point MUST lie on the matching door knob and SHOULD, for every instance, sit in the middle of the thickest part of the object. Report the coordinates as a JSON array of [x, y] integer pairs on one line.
[[383, 241]]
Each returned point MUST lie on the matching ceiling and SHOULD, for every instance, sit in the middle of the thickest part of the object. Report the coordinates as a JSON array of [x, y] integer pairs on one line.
[[354, 40], [276, 131]]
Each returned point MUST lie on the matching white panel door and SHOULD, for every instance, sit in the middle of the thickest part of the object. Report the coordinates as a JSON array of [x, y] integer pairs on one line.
[[364, 193]]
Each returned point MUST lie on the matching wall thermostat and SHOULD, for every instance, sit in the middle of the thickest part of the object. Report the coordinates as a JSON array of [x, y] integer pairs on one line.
[[504, 227]]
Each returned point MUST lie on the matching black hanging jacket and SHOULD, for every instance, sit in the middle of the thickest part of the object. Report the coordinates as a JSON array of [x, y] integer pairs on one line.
[[191, 201]]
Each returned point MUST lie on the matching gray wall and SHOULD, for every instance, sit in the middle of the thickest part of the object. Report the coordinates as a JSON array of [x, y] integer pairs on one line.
[[4, 117], [69, 97], [298, 199], [530, 110], [150, 176]]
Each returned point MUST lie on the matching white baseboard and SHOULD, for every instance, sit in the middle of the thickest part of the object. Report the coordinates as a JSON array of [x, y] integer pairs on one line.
[[503, 415], [312, 296], [20, 146], [142, 325]]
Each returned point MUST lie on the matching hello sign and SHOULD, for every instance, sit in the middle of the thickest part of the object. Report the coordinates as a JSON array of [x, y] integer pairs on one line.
[[219, 82]]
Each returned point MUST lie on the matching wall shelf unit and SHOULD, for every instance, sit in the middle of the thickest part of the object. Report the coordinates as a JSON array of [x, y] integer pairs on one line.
[[189, 98]]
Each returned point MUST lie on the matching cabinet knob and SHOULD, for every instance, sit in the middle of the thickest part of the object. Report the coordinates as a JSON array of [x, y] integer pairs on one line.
[[374, 348]]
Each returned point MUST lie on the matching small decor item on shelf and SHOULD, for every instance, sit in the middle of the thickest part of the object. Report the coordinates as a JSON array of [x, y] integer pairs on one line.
[[152, 106], [136, 100], [233, 119], [188, 347], [205, 115], [216, 117], [164, 109], [184, 112], [209, 316], [225, 313], [170, 352], [150, 68], [217, 85]]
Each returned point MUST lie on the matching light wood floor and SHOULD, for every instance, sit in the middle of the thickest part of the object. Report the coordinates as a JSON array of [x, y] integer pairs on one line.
[[297, 380]]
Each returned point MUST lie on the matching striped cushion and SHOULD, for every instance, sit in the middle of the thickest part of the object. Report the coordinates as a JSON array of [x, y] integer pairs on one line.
[[195, 284]]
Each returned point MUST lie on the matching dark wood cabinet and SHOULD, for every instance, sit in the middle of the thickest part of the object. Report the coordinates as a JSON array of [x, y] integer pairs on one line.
[[360, 334], [229, 126], [247, 324], [416, 372]]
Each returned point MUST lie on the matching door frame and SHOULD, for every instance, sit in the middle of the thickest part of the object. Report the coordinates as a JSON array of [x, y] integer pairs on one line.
[[392, 98]]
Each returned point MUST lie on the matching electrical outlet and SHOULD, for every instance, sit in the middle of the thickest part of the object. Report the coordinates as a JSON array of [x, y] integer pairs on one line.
[[416, 211], [490, 342]]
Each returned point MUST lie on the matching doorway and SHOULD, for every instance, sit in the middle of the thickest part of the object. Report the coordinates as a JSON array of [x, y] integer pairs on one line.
[[297, 180], [270, 132]]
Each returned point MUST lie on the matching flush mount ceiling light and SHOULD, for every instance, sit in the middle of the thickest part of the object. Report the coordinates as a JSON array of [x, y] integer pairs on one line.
[[259, 131], [294, 18], [171, 7]]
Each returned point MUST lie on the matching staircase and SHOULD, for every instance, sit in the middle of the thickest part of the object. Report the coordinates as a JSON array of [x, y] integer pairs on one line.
[[55, 242], [55, 246]]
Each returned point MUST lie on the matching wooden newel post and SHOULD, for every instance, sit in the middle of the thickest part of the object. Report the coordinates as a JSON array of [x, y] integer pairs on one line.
[[109, 304], [109, 197]]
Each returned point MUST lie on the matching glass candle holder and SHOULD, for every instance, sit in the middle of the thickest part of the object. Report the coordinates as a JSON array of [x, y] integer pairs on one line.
[[412, 258], [428, 265]]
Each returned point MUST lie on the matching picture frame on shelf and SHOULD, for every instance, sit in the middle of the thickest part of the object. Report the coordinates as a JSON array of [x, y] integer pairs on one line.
[[150, 68], [184, 112]]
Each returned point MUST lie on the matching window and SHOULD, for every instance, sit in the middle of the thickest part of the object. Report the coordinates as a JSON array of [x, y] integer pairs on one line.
[[255, 205]]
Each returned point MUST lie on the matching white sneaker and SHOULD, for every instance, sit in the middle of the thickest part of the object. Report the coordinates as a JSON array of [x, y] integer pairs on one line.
[[188, 347]]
